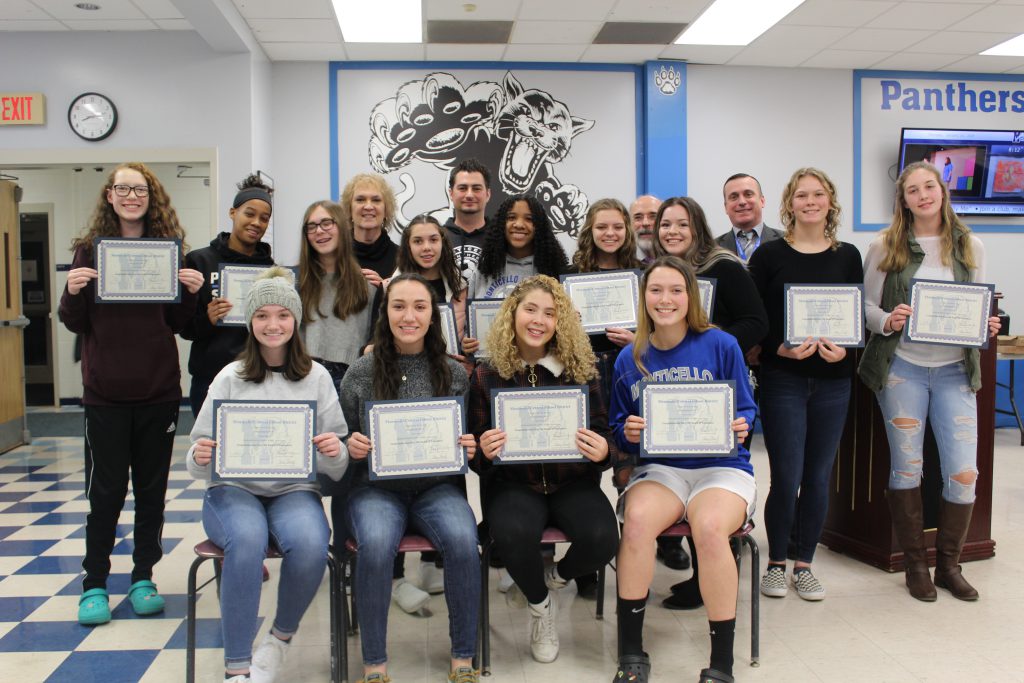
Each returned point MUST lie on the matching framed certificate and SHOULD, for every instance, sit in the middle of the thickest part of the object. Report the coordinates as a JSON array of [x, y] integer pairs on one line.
[[949, 313], [707, 287], [480, 314], [688, 419], [416, 438], [832, 311], [234, 283], [540, 422], [137, 270], [261, 440], [605, 299], [448, 329]]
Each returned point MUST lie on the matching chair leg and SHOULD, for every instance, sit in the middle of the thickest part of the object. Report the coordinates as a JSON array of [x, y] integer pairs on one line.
[[755, 601], [190, 622], [353, 624], [339, 667], [485, 610], [600, 592], [343, 619]]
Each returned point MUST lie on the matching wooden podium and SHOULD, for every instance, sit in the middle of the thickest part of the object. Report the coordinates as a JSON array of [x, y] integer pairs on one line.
[[858, 522]]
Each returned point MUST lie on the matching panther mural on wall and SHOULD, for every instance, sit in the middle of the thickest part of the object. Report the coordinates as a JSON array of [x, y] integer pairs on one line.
[[519, 133]]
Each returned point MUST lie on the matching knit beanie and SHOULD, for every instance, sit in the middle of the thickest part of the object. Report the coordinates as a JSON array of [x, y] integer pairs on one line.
[[274, 286]]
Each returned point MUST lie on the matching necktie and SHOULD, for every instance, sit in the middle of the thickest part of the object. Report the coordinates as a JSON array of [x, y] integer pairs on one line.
[[745, 240]]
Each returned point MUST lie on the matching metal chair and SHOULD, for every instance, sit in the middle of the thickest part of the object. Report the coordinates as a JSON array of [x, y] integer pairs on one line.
[[208, 550]]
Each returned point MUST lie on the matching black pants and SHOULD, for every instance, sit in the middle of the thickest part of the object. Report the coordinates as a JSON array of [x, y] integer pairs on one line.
[[517, 516], [123, 442]]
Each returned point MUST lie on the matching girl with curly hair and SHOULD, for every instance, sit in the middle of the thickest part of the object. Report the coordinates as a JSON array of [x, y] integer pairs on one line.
[[805, 390], [537, 340], [716, 495], [132, 389]]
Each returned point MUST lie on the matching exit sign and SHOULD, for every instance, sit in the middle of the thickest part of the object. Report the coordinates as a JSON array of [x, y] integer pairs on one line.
[[22, 109]]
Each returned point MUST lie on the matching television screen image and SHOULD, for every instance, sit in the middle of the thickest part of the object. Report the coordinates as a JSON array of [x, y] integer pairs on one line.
[[983, 169]]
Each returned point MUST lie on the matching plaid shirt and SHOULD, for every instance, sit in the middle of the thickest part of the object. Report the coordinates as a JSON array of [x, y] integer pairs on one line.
[[540, 477]]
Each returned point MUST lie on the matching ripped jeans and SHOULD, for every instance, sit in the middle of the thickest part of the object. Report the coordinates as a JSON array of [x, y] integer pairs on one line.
[[943, 396]]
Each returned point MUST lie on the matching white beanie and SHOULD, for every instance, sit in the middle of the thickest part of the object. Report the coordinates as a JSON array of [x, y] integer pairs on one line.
[[274, 286]]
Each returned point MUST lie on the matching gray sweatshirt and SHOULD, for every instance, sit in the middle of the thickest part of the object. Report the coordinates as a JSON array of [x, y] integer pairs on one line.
[[334, 339], [516, 270], [316, 386]]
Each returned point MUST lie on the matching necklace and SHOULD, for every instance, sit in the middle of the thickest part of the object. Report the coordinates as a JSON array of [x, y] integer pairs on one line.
[[532, 377]]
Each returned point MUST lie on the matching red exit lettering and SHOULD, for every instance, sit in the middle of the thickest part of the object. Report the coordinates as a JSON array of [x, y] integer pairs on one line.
[[16, 108]]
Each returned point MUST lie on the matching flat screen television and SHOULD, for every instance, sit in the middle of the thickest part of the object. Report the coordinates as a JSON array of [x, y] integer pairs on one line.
[[983, 169]]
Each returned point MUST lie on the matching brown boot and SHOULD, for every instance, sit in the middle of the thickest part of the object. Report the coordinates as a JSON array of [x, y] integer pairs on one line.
[[953, 522], [908, 521]]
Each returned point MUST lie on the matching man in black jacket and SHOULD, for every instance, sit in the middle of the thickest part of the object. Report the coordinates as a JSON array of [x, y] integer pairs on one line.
[[469, 187]]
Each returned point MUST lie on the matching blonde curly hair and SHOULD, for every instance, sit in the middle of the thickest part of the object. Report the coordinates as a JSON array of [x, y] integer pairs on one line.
[[569, 344]]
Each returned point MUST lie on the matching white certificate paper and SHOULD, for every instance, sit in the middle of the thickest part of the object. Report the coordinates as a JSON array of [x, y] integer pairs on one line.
[[480, 315], [264, 440], [949, 313], [448, 329], [137, 270], [604, 299], [234, 283], [416, 438], [707, 287], [688, 419], [835, 312], [540, 423]]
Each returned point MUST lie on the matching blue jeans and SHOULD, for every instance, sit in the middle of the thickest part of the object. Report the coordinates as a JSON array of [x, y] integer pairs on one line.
[[242, 524], [803, 420], [378, 518], [943, 396]]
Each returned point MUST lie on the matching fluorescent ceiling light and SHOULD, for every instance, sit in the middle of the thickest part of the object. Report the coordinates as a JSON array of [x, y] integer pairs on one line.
[[380, 21], [1014, 47], [736, 22]]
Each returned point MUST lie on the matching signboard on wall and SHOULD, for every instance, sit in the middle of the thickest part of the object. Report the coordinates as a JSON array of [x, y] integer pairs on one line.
[[22, 109], [885, 102], [567, 134]]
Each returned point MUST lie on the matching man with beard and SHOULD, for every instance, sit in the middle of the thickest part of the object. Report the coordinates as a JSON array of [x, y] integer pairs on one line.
[[469, 187], [644, 211]]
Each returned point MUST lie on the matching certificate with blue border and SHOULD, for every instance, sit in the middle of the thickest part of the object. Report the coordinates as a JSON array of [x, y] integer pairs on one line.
[[264, 440], [480, 315], [416, 437], [707, 287], [835, 312], [949, 313], [448, 329], [137, 270], [688, 419], [540, 422], [233, 284], [605, 299]]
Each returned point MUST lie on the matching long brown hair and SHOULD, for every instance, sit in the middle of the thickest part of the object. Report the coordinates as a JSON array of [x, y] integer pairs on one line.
[[695, 318], [385, 354], [834, 209], [896, 237], [350, 293], [297, 363], [703, 251], [446, 265], [587, 251], [160, 220]]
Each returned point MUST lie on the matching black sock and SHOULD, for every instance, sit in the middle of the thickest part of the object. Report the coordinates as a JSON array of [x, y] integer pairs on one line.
[[631, 626], [722, 635]]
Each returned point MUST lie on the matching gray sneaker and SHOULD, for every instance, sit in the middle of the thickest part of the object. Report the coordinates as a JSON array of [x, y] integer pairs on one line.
[[807, 587], [773, 583]]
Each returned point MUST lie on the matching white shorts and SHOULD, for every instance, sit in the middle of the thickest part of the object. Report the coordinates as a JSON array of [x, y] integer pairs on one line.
[[687, 483]]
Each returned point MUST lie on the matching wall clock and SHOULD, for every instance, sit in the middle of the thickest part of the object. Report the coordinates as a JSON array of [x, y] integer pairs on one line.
[[92, 116]]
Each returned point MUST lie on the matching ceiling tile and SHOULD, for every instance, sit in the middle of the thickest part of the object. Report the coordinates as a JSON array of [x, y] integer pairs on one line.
[[922, 15], [763, 56], [109, 9], [702, 54], [112, 25], [566, 10], [556, 32], [846, 59], [455, 10], [158, 9], [960, 42], [851, 13], [985, 64], [46, 25], [544, 53], [468, 53], [174, 24], [916, 61], [21, 10], [622, 54], [995, 18], [806, 37], [385, 52], [638, 33], [657, 10], [305, 52], [292, 9], [468, 32], [881, 39], [295, 30]]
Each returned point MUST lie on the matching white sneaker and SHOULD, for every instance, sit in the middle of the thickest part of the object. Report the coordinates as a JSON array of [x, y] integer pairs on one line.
[[407, 596], [267, 659], [773, 583], [504, 580], [807, 587], [543, 631], [552, 580], [431, 578]]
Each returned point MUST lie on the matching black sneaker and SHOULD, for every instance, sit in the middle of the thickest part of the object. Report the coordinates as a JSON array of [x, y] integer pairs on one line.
[[685, 595], [672, 555], [633, 669]]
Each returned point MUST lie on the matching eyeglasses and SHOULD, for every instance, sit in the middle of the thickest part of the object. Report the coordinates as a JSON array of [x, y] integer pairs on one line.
[[125, 190], [326, 225]]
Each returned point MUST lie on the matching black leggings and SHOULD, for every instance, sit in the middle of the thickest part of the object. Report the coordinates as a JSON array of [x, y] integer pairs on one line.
[[517, 516]]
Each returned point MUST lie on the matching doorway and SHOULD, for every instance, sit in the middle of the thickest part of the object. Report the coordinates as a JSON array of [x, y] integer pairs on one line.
[[36, 300]]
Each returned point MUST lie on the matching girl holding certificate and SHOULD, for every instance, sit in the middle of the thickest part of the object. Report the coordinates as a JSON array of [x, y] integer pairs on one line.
[[240, 515], [805, 390], [537, 340], [715, 495], [919, 382], [408, 361], [132, 388]]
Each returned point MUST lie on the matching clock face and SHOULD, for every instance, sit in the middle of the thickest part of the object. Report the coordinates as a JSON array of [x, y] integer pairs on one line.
[[92, 116]]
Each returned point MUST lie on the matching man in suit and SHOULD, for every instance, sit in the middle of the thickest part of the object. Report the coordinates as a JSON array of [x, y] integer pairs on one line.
[[744, 204]]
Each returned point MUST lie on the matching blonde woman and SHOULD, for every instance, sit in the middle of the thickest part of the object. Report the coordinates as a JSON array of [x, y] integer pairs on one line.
[[371, 207], [537, 340]]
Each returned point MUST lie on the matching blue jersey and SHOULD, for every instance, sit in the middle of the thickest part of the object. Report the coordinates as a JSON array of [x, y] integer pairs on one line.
[[708, 356]]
